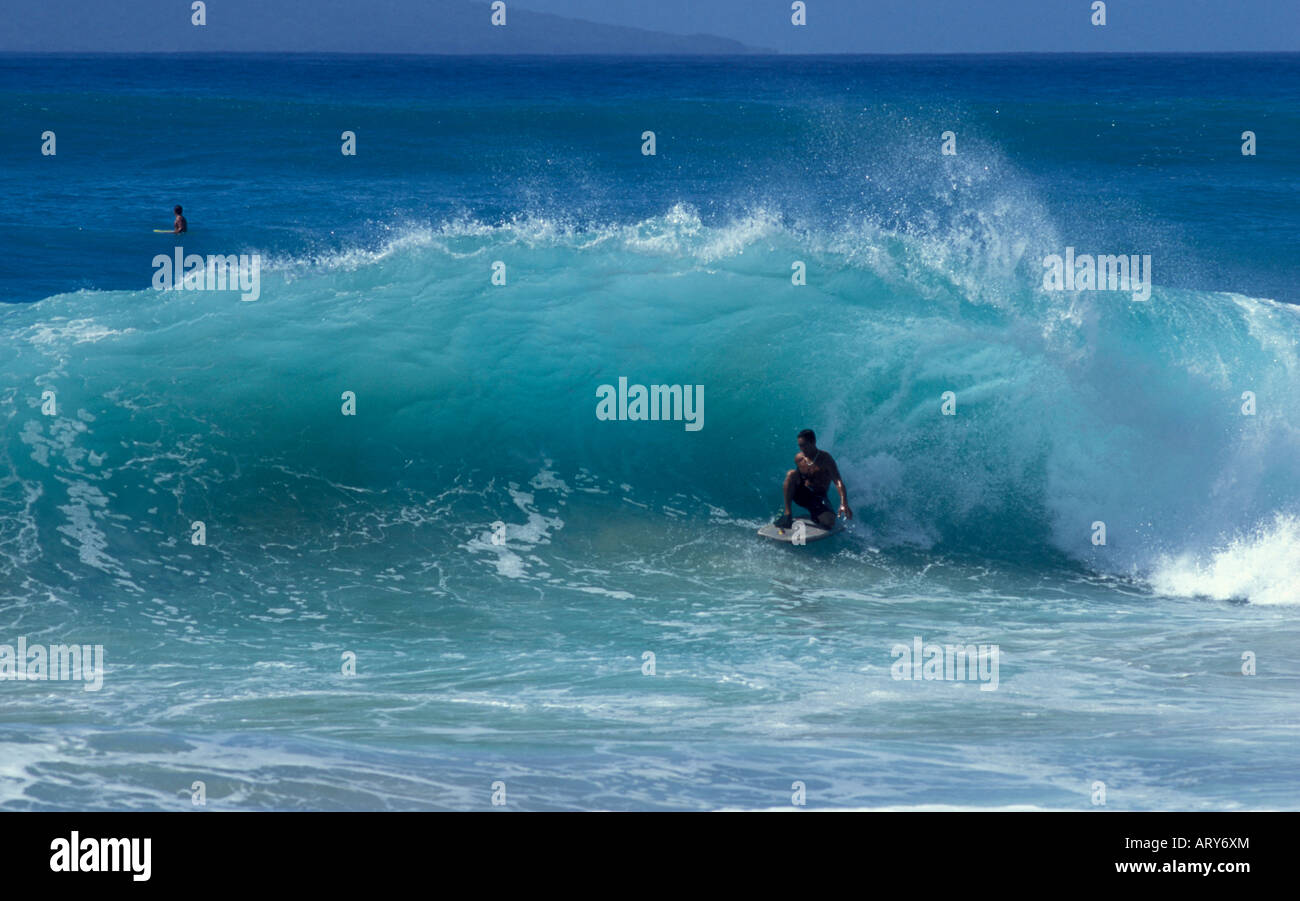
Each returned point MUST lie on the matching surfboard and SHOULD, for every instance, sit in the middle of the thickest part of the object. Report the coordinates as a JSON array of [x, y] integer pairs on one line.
[[164, 231], [801, 531]]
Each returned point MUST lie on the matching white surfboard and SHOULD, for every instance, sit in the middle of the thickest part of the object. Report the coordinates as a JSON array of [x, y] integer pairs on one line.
[[801, 531]]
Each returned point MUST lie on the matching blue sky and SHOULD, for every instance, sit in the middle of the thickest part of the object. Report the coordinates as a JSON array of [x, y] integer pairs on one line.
[[834, 26], [960, 26]]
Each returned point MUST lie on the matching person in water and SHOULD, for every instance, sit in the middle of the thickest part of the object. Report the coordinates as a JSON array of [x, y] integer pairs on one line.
[[808, 482], [180, 226]]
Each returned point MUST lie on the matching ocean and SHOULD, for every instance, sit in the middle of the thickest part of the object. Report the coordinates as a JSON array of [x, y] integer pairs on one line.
[[428, 576]]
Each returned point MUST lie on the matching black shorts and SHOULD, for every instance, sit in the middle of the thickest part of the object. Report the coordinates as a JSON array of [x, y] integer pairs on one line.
[[814, 501]]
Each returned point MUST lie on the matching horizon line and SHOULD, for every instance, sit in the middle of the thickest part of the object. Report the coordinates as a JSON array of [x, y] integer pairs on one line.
[[625, 54]]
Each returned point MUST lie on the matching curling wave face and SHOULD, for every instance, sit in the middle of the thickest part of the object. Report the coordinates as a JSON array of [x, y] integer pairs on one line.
[[1071, 409]]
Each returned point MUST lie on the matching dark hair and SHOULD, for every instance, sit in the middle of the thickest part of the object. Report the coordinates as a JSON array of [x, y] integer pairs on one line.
[[177, 209], [808, 433]]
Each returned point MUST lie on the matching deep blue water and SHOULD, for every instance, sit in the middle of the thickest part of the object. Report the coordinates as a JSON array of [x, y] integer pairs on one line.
[[522, 662]]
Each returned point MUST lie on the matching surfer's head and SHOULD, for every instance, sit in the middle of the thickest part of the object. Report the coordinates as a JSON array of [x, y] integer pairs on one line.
[[177, 209], [807, 440]]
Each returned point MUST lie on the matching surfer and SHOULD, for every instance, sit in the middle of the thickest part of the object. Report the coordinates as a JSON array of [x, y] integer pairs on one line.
[[180, 227], [808, 482]]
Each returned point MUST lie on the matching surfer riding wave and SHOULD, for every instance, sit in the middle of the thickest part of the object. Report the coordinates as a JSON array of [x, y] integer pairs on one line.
[[807, 484]]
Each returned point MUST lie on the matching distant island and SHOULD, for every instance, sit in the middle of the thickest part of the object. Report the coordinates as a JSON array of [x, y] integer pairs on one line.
[[312, 26]]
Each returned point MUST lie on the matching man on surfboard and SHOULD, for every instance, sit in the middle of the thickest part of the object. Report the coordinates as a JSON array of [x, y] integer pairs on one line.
[[180, 227], [808, 482]]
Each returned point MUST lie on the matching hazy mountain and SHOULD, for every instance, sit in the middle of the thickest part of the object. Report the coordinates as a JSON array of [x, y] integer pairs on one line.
[[327, 26]]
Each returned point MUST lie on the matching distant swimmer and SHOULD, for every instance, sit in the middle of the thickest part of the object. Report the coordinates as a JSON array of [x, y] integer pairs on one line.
[[808, 482], [180, 227]]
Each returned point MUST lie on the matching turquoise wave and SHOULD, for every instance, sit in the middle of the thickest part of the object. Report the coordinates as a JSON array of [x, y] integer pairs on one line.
[[1070, 409]]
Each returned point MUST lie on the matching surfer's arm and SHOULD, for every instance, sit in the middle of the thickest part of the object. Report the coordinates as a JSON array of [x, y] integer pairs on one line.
[[844, 495]]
